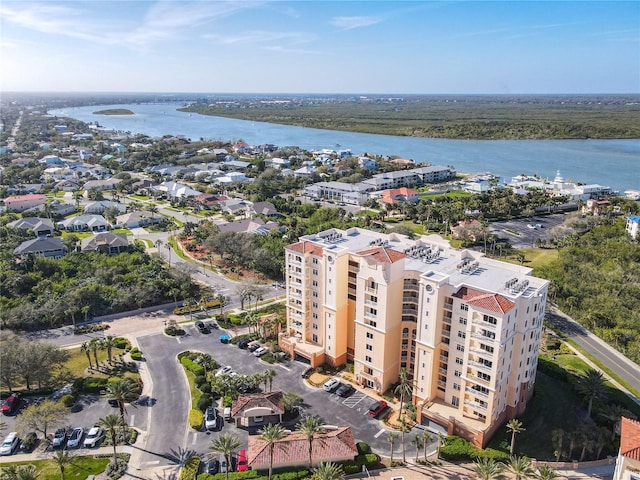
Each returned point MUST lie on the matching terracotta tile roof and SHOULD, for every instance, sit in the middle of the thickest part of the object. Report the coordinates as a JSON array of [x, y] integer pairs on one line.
[[272, 400], [382, 254], [492, 302], [305, 247], [630, 438], [335, 444]]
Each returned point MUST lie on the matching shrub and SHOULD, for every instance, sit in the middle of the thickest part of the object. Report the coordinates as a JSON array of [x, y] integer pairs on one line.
[[192, 366], [136, 355], [227, 401], [67, 400], [492, 453], [122, 343], [204, 402], [190, 469], [90, 384], [200, 380], [363, 447], [174, 331], [135, 350], [196, 419], [456, 448], [117, 469], [205, 387]]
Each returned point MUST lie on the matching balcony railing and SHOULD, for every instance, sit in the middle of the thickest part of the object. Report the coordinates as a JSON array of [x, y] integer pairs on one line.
[[411, 287], [409, 311], [371, 303], [480, 365], [370, 315], [446, 320], [482, 337], [476, 392], [373, 290], [410, 299], [444, 358], [475, 405], [448, 306], [443, 371]]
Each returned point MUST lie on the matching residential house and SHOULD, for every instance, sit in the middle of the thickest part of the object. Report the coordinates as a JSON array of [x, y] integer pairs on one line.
[[367, 163], [257, 226], [41, 247], [106, 242], [277, 162], [176, 190], [41, 227], [257, 409], [628, 461], [107, 184], [334, 444], [137, 218], [51, 160], [468, 230], [20, 203], [263, 208], [231, 177], [85, 223], [633, 227], [99, 206], [235, 206], [305, 172], [355, 193], [68, 185], [397, 195], [597, 207]]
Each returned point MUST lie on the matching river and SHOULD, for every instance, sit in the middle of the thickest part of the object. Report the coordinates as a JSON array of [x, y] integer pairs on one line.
[[615, 163]]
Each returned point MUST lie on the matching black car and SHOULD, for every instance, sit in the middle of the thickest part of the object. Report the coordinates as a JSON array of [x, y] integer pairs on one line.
[[253, 347], [345, 390], [212, 467], [200, 325], [113, 402], [244, 343], [28, 442], [307, 373]]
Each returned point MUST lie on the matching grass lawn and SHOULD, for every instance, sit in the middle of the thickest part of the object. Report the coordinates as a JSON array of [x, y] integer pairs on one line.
[[79, 235], [537, 257], [139, 197], [78, 364], [572, 362], [195, 393], [80, 469], [126, 231], [552, 406]]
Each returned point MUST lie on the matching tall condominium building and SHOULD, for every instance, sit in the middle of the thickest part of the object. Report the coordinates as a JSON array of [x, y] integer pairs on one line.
[[467, 328]]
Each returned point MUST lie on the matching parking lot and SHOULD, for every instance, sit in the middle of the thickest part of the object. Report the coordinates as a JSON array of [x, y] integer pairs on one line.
[[519, 233]]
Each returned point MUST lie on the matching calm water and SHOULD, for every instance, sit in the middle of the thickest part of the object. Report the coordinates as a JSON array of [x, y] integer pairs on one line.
[[615, 163]]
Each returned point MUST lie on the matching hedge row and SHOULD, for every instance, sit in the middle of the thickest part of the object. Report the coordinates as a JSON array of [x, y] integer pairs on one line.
[[278, 474], [196, 308], [456, 448], [192, 366], [190, 469], [90, 329], [196, 419]]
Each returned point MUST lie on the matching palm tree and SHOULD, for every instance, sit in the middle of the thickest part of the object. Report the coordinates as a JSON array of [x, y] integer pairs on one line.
[[327, 471], [111, 423], [310, 426], [488, 469], [226, 444], [557, 437], [441, 439], [545, 472], [418, 443], [86, 349], [404, 428], [514, 426], [426, 438], [22, 472], [393, 436], [574, 436], [520, 467], [403, 389], [290, 400], [272, 434], [122, 390], [592, 387], [108, 344], [269, 375], [94, 345], [62, 458]]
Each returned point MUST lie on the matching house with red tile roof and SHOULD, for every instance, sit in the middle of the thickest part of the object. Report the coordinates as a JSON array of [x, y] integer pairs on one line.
[[628, 462], [336, 444], [20, 203]]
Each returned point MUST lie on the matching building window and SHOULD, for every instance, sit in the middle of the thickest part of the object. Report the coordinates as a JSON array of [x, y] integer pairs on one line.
[[462, 334], [315, 304], [314, 338], [456, 386], [315, 272], [460, 347], [463, 320], [315, 261], [369, 347], [315, 294], [464, 307], [314, 283], [372, 323], [459, 361], [315, 326], [315, 316], [457, 373], [455, 401], [369, 335], [367, 358]]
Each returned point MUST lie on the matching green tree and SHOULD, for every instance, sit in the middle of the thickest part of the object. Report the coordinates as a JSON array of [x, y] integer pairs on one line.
[[62, 458], [426, 438], [290, 400], [310, 427], [392, 438], [488, 469], [591, 386], [418, 443], [272, 434], [111, 423], [226, 444], [328, 471], [514, 426], [269, 375], [43, 417], [94, 345], [122, 390], [108, 344]]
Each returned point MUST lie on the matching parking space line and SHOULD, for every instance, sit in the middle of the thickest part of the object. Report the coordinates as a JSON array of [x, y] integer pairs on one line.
[[131, 421], [382, 430], [286, 368]]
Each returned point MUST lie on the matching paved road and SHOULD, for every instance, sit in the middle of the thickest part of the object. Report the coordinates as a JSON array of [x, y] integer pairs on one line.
[[610, 357]]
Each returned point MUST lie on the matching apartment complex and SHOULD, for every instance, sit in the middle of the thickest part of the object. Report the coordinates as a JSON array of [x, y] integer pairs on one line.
[[465, 326]]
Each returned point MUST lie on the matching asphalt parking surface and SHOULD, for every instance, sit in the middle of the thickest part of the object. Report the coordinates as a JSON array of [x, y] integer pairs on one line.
[[518, 233]]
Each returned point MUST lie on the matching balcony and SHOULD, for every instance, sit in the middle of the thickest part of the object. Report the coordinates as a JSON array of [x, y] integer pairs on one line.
[[295, 316], [442, 371], [476, 392], [480, 365], [370, 289], [448, 306], [352, 291], [481, 323], [475, 405], [370, 315], [411, 287], [410, 299], [446, 320], [481, 336], [295, 293], [471, 377], [405, 346], [442, 384], [371, 303], [354, 268], [296, 325], [446, 333], [444, 358]]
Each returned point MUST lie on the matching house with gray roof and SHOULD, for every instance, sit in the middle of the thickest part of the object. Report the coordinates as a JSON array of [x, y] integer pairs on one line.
[[85, 223], [98, 207], [41, 227], [137, 218], [41, 247], [107, 184], [106, 242], [256, 226], [263, 208]]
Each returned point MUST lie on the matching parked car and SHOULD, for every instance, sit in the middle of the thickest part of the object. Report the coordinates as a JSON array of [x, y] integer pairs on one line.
[[242, 466], [113, 402], [224, 338], [331, 384], [93, 437], [377, 408], [28, 443], [260, 351], [212, 467], [11, 404], [224, 370], [200, 325], [345, 390], [210, 418], [307, 373], [75, 438], [243, 343], [59, 438], [9, 444], [224, 467], [253, 346]]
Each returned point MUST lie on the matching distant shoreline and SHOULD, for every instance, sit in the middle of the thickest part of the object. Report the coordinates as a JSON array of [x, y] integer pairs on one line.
[[114, 111]]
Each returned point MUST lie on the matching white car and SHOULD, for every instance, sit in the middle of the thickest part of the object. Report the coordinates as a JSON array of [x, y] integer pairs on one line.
[[9, 444], [75, 437], [224, 371], [331, 384], [210, 418], [260, 351], [93, 437], [532, 227]]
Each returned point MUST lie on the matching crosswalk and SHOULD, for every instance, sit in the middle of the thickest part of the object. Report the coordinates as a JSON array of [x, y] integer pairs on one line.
[[354, 399]]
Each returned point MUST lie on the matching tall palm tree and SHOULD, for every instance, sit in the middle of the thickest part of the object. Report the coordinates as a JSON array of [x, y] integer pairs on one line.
[[404, 428], [418, 443], [327, 471], [272, 434], [426, 438], [514, 426], [441, 439], [94, 345], [545, 472], [269, 375], [403, 389], [108, 344], [592, 387], [393, 436], [20, 472], [488, 469], [62, 458], [86, 349], [123, 390], [226, 444], [520, 467], [557, 437], [310, 427], [111, 423]]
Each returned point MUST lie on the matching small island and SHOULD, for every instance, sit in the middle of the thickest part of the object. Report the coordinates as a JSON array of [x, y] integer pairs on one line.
[[114, 111]]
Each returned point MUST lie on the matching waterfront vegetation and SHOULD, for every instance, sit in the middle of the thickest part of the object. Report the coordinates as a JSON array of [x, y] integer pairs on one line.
[[114, 111], [470, 117]]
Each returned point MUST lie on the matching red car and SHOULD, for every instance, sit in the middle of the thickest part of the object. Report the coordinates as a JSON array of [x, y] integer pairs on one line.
[[242, 461], [377, 408], [11, 404]]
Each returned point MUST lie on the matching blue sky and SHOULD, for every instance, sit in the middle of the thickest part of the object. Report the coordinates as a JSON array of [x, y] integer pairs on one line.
[[395, 47]]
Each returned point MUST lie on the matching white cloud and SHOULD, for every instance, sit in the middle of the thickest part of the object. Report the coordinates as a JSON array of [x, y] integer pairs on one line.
[[260, 36], [349, 23], [281, 49]]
